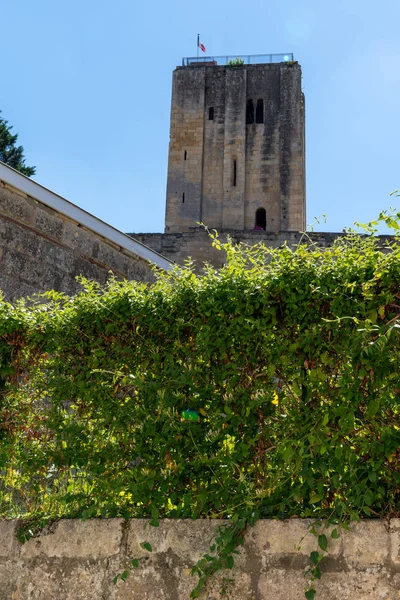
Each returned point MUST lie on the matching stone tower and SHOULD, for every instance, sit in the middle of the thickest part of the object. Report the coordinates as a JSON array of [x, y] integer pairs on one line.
[[237, 146]]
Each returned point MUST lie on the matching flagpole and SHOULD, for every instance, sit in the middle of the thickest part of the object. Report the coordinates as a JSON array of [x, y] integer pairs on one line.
[[198, 41]]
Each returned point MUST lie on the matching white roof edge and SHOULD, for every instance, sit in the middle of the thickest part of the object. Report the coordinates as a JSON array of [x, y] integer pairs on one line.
[[73, 212]]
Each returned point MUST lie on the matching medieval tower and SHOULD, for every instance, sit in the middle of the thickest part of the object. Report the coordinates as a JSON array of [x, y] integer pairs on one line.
[[237, 145]]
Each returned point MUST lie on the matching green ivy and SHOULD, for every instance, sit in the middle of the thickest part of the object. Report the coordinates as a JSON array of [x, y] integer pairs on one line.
[[269, 388]]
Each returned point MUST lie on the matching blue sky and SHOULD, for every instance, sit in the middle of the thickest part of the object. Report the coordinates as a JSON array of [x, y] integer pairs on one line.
[[87, 85]]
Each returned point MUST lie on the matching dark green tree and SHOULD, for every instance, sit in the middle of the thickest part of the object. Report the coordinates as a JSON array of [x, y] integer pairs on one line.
[[10, 153]]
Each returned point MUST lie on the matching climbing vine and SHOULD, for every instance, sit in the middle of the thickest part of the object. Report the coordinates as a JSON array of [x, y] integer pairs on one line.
[[267, 389]]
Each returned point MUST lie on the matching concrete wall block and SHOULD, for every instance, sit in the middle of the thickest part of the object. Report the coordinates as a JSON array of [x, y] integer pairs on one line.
[[8, 576], [290, 537], [281, 584], [367, 543], [394, 539], [187, 539], [356, 585], [67, 580], [73, 538], [147, 583], [227, 585], [9, 546]]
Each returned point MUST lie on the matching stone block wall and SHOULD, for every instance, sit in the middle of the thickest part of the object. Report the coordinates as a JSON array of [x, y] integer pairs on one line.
[[185, 166], [197, 244], [41, 249], [76, 560], [234, 152]]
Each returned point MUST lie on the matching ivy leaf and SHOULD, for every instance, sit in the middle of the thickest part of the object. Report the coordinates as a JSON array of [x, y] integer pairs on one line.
[[323, 542], [372, 408], [335, 534], [317, 573], [310, 594], [368, 498], [314, 498], [154, 522], [146, 546]]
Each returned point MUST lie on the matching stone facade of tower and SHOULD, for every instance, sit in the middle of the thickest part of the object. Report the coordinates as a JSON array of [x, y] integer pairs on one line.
[[237, 148]]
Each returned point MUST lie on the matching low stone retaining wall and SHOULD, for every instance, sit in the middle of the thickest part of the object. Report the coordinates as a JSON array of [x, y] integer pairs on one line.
[[75, 560], [197, 244]]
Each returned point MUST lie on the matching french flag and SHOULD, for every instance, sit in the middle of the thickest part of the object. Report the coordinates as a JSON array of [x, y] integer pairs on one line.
[[200, 45]]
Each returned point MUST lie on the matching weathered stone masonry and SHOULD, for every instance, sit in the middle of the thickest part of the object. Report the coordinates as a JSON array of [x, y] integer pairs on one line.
[[196, 244], [75, 560], [236, 146], [43, 249]]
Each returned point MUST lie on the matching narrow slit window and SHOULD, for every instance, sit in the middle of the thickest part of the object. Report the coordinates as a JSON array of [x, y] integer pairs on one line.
[[211, 113], [249, 112], [260, 111], [183, 198], [234, 172], [185, 155]]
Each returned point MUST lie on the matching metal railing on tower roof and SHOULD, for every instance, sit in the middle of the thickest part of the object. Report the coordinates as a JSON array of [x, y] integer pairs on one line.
[[237, 60]]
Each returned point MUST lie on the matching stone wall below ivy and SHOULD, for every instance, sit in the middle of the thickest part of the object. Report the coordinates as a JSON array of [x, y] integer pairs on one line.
[[76, 560]]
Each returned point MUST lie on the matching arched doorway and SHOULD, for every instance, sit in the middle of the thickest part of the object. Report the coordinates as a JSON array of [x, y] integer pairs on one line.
[[261, 219]]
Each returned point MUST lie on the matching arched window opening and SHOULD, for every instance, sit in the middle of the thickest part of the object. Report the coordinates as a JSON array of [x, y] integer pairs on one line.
[[211, 113], [183, 198], [249, 112], [185, 155], [234, 173], [261, 219], [260, 111]]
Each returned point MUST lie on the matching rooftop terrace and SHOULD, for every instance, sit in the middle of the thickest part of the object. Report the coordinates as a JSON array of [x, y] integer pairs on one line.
[[246, 59]]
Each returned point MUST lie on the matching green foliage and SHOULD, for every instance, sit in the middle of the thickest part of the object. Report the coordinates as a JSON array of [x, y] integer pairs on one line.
[[237, 62], [10, 153], [269, 388]]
